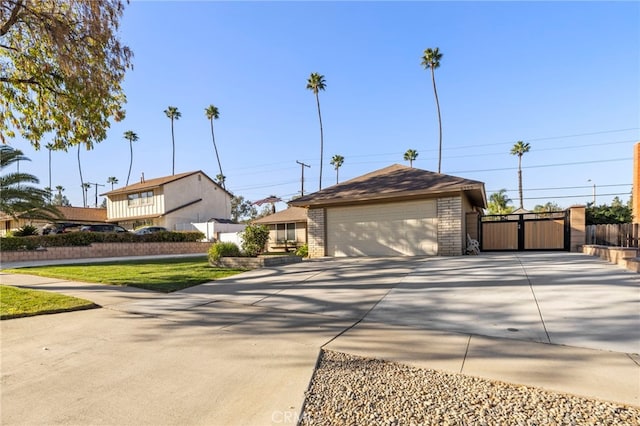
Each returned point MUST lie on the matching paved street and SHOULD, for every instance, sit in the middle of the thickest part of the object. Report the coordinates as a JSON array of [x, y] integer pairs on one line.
[[242, 350]]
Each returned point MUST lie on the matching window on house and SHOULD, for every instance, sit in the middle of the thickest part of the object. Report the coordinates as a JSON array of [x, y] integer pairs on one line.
[[286, 231], [140, 199]]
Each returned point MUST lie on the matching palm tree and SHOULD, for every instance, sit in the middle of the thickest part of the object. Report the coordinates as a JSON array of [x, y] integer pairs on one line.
[[337, 161], [431, 60], [212, 113], [17, 196], [410, 155], [519, 149], [113, 180], [498, 203], [173, 114], [315, 83], [85, 188], [220, 178], [50, 147], [131, 137], [84, 193]]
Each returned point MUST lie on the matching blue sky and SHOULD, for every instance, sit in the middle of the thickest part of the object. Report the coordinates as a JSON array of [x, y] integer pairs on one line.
[[562, 76]]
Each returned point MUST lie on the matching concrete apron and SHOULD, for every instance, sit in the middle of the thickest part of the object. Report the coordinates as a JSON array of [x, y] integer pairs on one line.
[[242, 350]]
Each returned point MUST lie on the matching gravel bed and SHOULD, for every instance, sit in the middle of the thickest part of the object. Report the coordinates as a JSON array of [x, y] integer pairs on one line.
[[351, 390]]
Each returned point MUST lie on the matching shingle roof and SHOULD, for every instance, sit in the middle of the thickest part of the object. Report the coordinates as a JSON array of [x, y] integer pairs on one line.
[[155, 183], [76, 214], [394, 182], [292, 214]]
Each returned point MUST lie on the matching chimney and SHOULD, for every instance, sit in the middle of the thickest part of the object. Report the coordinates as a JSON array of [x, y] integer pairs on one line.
[[142, 178]]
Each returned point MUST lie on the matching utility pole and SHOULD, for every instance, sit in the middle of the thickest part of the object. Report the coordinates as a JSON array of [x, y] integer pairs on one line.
[[97, 185], [302, 166]]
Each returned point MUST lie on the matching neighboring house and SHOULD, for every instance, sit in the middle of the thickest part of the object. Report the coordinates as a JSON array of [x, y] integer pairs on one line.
[[287, 229], [174, 202], [394, 211], [79, 215]]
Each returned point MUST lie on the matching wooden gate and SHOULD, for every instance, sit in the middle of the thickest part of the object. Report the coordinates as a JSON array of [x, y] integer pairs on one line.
[[525, 231]]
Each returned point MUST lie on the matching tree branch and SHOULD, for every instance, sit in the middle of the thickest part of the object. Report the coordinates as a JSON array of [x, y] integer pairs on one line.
[[13, 18]]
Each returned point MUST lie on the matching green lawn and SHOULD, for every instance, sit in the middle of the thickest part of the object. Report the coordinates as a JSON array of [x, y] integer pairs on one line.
[[164, 275], [21, 302]]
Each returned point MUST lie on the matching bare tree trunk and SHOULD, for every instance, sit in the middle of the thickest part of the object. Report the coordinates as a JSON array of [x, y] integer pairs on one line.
[[321, 138], [435, 91]]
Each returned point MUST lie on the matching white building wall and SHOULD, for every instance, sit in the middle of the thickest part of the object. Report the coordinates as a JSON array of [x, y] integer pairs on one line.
[[118, 206]]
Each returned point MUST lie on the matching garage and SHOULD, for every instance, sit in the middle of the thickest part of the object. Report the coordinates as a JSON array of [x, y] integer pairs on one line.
[[390, 229], [394, 211]]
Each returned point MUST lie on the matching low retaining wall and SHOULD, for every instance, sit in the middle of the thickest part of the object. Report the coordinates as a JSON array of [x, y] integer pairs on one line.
[[623, 256], [254, 262], [105, 250]]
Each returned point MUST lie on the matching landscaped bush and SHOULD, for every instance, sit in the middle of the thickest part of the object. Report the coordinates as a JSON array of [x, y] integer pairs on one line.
[[223, 249], [75, 239], [26, 231], [303, 251], [254, 239]]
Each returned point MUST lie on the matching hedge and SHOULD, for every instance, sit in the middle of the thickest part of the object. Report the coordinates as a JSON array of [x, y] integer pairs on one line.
[[74, 239]]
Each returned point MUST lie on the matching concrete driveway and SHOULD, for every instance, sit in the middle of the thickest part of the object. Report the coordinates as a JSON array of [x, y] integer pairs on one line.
[[242, 350]]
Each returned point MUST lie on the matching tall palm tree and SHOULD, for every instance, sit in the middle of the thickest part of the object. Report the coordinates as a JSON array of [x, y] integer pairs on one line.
[[212, 113], [173, 114], [519, 149], [410, 155], [220, 179], [132, 137], [50, 147], [337, 161], [112, 180], [17, 195], [84, 193], [431, 60], [315, 83]]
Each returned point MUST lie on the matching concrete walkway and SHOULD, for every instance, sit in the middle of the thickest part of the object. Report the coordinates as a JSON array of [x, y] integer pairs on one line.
[[242, 350]]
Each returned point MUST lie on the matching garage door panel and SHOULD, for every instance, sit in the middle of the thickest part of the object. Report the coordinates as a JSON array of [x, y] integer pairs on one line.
[[401, 229]]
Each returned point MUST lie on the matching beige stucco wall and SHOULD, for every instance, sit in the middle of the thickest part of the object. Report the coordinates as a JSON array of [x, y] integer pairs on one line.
[[301, 235]]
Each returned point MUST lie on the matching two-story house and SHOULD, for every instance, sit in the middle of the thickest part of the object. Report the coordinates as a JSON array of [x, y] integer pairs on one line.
[[174, 202]]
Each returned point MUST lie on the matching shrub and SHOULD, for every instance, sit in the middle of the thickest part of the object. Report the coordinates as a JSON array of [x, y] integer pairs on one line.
[[223, 249], [19, 243], [303, 251], [26, 231], [254, 239]]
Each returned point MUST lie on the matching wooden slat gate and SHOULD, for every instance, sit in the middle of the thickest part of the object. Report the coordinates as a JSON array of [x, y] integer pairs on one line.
[[525, 231]]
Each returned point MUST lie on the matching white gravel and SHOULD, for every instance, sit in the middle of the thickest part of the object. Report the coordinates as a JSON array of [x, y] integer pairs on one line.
[[350, 390]]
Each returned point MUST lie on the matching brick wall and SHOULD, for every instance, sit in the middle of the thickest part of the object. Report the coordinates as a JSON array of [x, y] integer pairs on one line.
[[316, 225], [105, 250], [450, 226]]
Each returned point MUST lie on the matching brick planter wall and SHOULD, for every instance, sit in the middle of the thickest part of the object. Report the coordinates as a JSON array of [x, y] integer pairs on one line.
[[105, 250], [254, 262]]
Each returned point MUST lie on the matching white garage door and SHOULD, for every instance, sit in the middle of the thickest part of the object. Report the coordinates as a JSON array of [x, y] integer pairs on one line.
[[396, 229]]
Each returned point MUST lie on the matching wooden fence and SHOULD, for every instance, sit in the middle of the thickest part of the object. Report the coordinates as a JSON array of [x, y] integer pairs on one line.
[[618, 235]]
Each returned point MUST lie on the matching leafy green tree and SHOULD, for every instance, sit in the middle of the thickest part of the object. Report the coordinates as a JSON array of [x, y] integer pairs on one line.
[[520, 148], [499, 203], [220, 179], [113, 180], [212, 113], [410, 156], [547, 207], [173, 114], [59, 199], [617, 212], [61, 72], [132, 137], [254, 239], [337, 161], [242, 210], [315, 83], [431, 60], [18, 196]]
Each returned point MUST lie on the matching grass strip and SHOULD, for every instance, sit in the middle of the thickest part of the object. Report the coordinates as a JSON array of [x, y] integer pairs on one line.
[[18, 302], [163, 275]]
